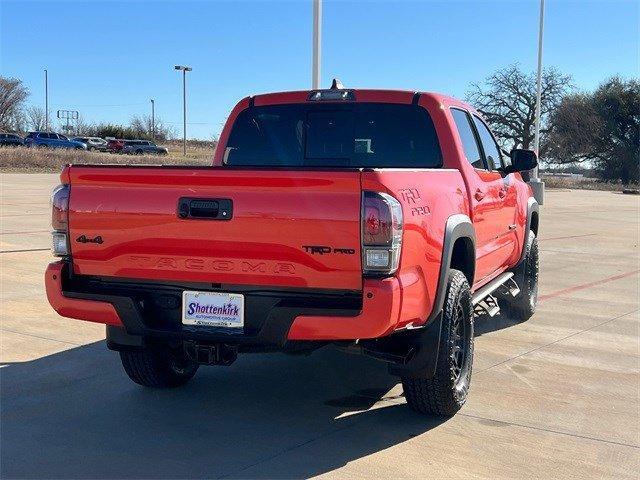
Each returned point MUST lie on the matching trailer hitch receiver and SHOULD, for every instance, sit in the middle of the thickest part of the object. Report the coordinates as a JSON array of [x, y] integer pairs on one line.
[[216, 354]]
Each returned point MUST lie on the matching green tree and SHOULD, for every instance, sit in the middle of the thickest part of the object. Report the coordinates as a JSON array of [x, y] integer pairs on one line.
[[113, 130], [601, 129]]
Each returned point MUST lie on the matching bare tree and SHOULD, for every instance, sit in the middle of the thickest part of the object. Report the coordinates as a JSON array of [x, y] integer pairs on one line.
[[83, 127], [144, 128], [36, 118], [507, 100], [12, 96]]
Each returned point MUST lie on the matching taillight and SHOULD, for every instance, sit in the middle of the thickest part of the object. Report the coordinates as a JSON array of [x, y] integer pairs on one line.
[[381, 233], [60, 220]]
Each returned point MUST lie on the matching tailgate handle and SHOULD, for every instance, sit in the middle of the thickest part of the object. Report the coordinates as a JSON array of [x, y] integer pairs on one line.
[[205, 208]]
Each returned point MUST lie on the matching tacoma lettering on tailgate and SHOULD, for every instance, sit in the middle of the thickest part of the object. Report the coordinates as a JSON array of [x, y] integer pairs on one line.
[[213, 265]]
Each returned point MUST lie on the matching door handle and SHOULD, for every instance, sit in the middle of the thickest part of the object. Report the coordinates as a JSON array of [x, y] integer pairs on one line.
[[205, 208], [479, 195]]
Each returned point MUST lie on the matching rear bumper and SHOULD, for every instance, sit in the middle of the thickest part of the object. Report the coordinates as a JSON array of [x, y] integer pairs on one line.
[[272, 318], [89, 310], [378, 317]]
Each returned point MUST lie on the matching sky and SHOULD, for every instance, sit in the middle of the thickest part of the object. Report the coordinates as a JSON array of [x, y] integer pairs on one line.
[[108, 59]]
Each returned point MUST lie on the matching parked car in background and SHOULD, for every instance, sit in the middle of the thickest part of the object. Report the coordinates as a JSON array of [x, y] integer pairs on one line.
[[52, 140], [93, 143], [10, 140], [139, 147], [114, 145]]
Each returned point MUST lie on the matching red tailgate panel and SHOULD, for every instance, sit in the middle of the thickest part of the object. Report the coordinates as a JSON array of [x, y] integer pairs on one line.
[[275, 214]]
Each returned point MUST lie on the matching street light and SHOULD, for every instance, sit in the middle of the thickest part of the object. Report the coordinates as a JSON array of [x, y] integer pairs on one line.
[[184, 106], [153, 120], [46, 100], [536, 184], [317, 43]]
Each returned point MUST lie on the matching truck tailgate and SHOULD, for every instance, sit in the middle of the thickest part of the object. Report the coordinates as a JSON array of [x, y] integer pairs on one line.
[[286, 228]]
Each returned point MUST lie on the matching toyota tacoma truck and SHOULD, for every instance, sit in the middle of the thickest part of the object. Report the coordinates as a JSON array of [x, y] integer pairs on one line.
[[381, 221]]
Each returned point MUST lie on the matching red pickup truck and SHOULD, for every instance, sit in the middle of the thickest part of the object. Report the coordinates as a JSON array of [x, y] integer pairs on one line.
[[381, 221]]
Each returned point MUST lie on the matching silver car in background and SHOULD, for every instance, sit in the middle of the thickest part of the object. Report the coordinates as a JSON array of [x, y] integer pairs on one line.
[[140, 147], [93, 143]]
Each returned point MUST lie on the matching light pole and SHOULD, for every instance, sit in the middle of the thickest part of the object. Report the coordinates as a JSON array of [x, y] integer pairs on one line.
[[536, 184], [184, 106], [317, 40], [46, 100], [153, 120]]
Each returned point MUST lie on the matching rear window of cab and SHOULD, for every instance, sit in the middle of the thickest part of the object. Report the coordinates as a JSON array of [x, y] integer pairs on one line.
[[375, 135]]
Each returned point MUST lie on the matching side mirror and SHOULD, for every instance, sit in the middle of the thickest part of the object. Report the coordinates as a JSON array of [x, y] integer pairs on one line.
[[522, 160]]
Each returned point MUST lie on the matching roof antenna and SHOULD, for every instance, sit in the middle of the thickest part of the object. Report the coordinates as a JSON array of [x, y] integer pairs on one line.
[[336, 85]]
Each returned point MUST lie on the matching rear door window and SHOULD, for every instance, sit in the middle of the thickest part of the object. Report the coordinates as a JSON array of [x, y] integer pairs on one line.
[[375, 135], [468, 138], [491, 149]]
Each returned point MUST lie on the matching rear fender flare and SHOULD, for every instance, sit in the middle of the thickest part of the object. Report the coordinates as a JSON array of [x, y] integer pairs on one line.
[[426, 342], [458, 226]]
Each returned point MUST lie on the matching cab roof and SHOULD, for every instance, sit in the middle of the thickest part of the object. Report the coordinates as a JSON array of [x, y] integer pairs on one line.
[[357, 95]]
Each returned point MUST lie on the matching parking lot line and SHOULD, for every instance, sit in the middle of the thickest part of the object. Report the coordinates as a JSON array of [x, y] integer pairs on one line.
[[27, 232], [556, 341], [25, 250], [23, 214], [568, 236], [584, 286], [549, 430], [24, 334]]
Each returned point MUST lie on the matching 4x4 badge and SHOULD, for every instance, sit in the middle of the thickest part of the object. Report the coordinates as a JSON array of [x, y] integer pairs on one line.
[[84, 239]]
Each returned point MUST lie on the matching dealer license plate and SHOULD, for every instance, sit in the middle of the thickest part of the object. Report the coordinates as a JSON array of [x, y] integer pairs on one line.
[[213, 309]]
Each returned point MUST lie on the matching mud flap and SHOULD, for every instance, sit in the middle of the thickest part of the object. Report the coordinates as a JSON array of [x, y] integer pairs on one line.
[[426, 344]]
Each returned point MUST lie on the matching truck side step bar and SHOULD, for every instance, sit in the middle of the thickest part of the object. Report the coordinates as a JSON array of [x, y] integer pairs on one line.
[[484, 302], [511, 287], [488, 305]]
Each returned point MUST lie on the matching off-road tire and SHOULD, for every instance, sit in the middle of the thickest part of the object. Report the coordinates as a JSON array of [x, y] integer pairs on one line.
[[158, 366], [523, 305], [446, 392]]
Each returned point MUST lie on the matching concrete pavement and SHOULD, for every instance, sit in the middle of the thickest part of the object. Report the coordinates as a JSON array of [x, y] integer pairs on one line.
[[555, 397]]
